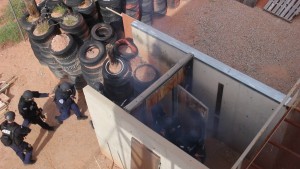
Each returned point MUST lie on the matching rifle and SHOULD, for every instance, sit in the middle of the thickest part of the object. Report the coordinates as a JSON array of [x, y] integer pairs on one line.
[[40, 113]]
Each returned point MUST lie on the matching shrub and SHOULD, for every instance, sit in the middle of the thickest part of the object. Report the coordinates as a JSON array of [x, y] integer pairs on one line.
[[59, 9], [41, 28], [70, 20], [9, 33], [19, 9]]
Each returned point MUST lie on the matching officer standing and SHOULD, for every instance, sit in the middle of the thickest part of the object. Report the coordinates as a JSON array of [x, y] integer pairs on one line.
[[13, 136], [64, 95], [30, 111]]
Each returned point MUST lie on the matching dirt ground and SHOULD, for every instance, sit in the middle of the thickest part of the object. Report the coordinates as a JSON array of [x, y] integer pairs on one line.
[[73, 144], [248, 39]]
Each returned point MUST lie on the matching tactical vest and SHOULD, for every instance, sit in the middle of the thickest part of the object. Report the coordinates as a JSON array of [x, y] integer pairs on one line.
[[65, 96], [7, 137]]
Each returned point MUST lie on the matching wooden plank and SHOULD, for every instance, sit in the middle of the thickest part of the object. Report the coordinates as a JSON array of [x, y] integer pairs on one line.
[[279, 5], [270, 5], [4, 98], [192, 102], [291, 17], [159, 94], [3, 108], [287, 8], [294, 11], [298, 10], [276, 6], [284, 148], [142, 156], [291, 122], [141, 98], [7, 83], [127, 20], [282, 9]]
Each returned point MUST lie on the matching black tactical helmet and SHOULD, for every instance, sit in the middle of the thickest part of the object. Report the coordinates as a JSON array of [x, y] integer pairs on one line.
[[10, 116], [27, 95], [65, 86]]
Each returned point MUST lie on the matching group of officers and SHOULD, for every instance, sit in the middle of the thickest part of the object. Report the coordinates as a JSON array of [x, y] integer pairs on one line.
[[13, 134]]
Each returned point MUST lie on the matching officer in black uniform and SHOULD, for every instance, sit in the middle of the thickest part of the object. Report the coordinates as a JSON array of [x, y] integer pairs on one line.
[[64, 95], [192, 136], [192, 142], [16, 134], [30, 111]]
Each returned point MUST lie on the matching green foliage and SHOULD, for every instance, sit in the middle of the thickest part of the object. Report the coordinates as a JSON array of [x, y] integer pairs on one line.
[[70, 20], [42, 27], [59, 9], [19, 8], [9, 33]]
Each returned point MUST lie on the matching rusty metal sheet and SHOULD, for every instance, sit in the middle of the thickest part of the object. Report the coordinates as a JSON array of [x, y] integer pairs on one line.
[[127, 20], [142, 157]]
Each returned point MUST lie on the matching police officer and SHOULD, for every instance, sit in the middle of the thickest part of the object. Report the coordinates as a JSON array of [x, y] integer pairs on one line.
[[192, 142], [64, 95], [30, 111], [16, 133]]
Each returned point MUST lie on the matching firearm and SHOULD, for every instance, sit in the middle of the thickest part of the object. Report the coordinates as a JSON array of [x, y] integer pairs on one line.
[[40, 113]]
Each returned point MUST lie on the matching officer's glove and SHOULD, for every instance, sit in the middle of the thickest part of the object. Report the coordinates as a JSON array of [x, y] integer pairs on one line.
[[42, 116], [51, 95], [28, 130], [73, 97]]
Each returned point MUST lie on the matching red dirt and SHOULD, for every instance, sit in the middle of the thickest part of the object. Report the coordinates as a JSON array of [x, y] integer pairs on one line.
[[92, 52], [247, 39], [84, 4], [59, 42], [115, 68], [145, 73], [56, 14], [74, 143]]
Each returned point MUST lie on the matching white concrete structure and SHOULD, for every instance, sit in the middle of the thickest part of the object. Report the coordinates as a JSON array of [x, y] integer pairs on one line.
[[238, 105]]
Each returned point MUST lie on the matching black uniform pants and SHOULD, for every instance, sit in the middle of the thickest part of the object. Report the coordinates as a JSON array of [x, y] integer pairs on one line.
[[38, 121]]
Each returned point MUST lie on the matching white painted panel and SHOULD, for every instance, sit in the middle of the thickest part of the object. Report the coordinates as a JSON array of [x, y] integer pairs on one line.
[[160, 51], [246, 103], [243, 109], [114, 129]]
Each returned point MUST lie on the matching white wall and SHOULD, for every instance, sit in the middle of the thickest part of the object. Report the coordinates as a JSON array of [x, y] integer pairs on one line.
[[114, 129], [156, 51], [243, 109], [246, 104]]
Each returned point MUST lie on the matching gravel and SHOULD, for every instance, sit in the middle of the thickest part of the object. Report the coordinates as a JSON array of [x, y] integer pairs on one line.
[[250, 40]]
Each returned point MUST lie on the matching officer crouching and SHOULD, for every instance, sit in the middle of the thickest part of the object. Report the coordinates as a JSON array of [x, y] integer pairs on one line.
[[13, 136]]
